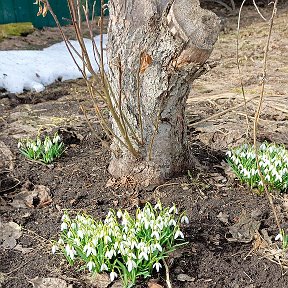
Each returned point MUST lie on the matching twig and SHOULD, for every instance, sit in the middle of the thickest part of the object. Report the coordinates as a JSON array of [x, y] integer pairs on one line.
[[221, 113], [238, 66], [168, 282], [257, 115]]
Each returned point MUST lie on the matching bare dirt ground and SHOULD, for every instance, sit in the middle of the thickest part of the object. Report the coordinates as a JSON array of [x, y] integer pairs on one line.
[[223, 248]]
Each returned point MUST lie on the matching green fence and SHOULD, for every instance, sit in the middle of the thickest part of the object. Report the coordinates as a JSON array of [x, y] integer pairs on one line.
[[13, 11]]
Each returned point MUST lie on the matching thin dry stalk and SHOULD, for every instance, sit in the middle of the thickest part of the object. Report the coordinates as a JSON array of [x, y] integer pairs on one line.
[[126, 131], [168, 282], [258, 111], [239, 69]]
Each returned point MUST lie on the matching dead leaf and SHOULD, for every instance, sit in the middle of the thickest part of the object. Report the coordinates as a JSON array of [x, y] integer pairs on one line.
[[111, 182], [117, 284], [98, 280], [145, 60], [2, 278], [154, 284], [185, 278], [23, 250], [10, 232], [36, 198], [244, 230], [223, 217], [49, 283]]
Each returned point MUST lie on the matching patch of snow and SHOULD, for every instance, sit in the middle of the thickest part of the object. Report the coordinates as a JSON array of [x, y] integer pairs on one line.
[[33, 69]]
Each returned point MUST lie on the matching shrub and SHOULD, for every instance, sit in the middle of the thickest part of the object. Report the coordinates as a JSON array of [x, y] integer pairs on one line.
[[123, 245], [273, 162]]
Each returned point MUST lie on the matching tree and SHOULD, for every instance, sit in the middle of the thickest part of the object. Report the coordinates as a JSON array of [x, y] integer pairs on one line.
[[156, 49]]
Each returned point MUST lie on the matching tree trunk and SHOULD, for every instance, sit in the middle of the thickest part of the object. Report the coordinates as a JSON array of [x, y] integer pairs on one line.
[[156, 48]]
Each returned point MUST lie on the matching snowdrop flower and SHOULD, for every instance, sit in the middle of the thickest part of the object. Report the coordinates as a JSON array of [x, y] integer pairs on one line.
[[158, 247], [89, 250], [19, 145], [156, 234], [77, 241], [65, 217], [172, 222], [267, 177], [80, 234], [158, 206], [63, 226], [178, 233], [173, 209], [69, 234], [184, 219], [157, 266], [130, 265], [74, 226], [61, 241], [56, 139], [104, 267], [279, 237], [54, 249], [109, 254], [262, 146], [90, 265], [70, 251], [229, 154], [119, 215], [113, 275], [143, 255]]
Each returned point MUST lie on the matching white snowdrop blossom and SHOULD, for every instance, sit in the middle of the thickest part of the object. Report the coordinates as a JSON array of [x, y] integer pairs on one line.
[[178, 234], [104, 267], [130, 265], [113, 276], [90, 265], [70, 251], [157, 266], [184, 219], [54, 249], [64, 226], [279, 237]]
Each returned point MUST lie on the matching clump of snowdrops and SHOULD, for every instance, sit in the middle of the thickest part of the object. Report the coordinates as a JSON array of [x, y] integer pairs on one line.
[[273, 162], [45, 151], [124, 246]]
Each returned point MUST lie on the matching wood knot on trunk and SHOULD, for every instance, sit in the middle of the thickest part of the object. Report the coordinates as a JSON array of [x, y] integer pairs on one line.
[[197, 28]]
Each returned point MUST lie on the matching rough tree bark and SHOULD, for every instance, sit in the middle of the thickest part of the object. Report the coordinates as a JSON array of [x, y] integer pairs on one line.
[[159, 46]]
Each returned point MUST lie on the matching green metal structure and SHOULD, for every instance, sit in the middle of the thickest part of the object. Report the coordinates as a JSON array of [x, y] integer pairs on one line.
[[14, 11]]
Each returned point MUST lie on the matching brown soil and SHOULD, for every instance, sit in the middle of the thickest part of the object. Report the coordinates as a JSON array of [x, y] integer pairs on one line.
[[77, 181]]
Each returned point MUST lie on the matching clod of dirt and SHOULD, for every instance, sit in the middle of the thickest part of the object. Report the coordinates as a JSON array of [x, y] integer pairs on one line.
[[6, 157], [69, 136], [36, 198], [244, 230], [10, 232], [185, 278], [49, 283], [7, 182]]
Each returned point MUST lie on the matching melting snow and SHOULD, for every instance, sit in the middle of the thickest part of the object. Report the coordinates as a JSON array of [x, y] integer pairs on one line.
[[34, 69]]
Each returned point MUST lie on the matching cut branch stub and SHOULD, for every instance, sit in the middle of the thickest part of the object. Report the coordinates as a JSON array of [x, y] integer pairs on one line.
[[161, 50]]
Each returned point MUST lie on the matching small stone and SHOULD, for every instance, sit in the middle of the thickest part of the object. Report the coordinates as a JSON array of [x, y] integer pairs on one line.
[[185, 278]]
